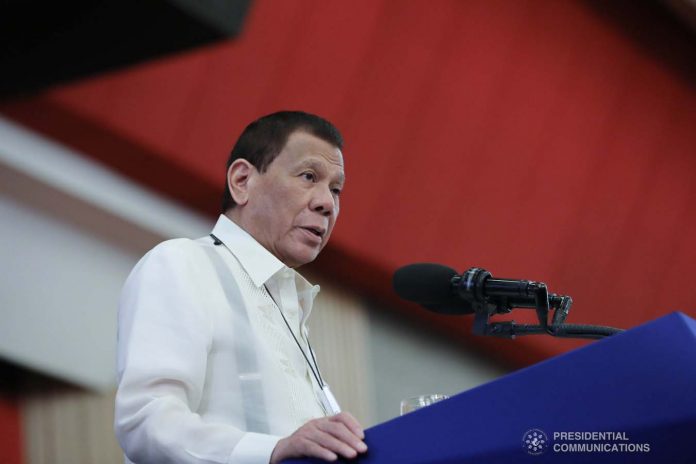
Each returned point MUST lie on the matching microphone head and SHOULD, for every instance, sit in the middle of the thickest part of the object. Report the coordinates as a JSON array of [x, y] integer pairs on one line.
[[430, 285]]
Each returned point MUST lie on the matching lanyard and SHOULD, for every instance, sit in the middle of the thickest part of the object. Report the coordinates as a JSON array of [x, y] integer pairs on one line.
[[315, 369], [327, 399]]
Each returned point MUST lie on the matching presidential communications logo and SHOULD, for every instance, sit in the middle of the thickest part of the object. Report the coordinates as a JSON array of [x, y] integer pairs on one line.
[[535, 442]]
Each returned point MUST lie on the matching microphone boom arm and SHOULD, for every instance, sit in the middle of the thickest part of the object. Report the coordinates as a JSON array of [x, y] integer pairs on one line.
[[510, 329], [543, 302], [440, 289]]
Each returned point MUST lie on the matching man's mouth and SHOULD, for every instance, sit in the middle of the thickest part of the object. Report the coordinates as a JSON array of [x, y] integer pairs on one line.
[[319, 232]]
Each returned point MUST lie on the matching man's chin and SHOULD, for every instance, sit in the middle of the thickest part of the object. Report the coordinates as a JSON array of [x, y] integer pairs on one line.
[[302, 257]]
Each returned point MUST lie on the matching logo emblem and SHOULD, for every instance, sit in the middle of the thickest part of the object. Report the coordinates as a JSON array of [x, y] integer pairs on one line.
[[535, 442]]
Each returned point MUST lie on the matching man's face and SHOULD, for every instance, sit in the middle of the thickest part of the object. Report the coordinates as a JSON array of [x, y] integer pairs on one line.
[[293, 206]]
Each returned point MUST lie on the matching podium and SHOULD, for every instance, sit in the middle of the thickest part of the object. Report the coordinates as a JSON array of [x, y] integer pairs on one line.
[[627, 398]]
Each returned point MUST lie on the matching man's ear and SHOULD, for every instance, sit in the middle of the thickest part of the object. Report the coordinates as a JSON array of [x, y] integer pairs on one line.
[[238, 180]]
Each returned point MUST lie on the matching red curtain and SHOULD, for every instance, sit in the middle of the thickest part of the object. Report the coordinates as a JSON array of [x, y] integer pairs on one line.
[[532, 138]]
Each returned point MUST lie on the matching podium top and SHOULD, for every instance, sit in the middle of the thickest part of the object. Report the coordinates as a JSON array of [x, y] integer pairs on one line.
[[627, 398]]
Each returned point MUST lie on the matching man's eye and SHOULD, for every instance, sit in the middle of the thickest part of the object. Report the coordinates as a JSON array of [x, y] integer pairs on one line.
[[309, 176], [336, 191]]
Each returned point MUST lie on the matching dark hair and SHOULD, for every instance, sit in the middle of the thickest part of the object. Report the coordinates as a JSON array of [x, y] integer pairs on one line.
[[265, 138]]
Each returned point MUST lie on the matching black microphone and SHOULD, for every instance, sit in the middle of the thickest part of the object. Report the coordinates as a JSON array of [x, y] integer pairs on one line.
[[440, 289], [430, 285]]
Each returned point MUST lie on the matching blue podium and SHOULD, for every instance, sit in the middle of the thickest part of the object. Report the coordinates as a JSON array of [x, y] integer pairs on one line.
[[623, 399]]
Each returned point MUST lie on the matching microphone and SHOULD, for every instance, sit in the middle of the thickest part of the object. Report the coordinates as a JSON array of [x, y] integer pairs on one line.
[[440, 289], [430, 285]]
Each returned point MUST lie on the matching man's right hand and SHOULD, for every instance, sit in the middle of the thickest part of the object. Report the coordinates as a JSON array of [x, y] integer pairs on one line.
[[324, 438]]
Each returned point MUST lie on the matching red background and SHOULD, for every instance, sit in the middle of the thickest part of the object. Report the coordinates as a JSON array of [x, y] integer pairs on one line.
[[533, 139], [11, 448]]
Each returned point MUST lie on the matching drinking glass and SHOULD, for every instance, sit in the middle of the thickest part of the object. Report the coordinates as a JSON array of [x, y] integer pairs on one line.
[[411, 404]]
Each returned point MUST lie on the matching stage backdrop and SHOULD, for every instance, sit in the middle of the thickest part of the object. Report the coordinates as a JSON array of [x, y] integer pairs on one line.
[[536, 139]]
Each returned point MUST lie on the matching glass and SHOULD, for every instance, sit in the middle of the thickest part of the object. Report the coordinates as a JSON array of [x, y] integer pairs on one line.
[[411, 404]]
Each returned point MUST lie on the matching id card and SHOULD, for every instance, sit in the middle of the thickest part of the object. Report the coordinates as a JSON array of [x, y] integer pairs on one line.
[[329, 401]]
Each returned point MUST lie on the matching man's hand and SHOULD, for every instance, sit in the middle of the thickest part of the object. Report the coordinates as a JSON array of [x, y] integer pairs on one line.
[[324, 438]]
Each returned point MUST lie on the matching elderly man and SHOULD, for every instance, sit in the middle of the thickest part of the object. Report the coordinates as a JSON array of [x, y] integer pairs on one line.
[[214, 360]]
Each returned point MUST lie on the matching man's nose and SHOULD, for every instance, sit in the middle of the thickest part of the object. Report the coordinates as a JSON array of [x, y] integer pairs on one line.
[[323, 201]]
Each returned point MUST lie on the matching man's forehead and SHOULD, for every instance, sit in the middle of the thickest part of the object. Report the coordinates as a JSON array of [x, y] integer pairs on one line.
[[302, 137], [319, 160], [309, 150]]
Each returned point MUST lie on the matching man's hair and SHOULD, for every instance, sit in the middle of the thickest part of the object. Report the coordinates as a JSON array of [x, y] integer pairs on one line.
[[264, 139]]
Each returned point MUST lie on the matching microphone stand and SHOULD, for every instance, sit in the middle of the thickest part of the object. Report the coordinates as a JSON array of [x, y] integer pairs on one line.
[[512, 330], [543, 304]]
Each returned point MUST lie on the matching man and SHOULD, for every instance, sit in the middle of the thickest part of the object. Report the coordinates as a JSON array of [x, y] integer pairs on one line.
[[214, 361]]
